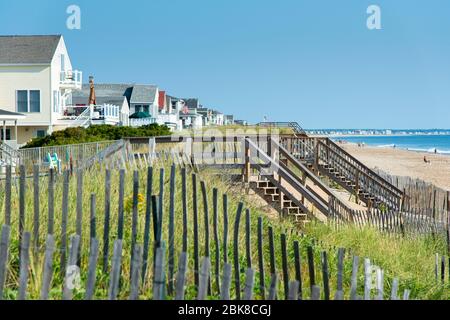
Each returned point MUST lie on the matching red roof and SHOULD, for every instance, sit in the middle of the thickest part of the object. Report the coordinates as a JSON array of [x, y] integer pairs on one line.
[[162, 100]]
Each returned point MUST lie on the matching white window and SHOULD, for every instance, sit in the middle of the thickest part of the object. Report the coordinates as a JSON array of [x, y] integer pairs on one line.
[[40, 133], [28, 101]]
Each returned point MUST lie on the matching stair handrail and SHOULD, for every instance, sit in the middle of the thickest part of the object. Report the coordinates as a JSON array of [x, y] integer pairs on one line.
[[292, 180], [381, 197], [283, 124], [10, 152], [105, 153], [82, 118], [369, 171], [302, 167]]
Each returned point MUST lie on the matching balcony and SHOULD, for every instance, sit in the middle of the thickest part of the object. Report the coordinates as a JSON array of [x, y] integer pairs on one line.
[[83, 116], [71, 79]]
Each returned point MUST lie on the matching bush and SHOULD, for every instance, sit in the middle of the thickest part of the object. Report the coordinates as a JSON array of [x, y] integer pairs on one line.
[[96, 133]]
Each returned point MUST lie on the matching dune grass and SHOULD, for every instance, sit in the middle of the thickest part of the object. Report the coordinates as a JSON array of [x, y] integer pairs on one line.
[[412, 261]]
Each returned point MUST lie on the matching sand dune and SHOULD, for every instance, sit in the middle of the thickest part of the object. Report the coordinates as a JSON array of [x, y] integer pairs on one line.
[[405, 163]]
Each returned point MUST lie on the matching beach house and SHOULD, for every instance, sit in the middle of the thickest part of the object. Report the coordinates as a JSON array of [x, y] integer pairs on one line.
[[37, 80]]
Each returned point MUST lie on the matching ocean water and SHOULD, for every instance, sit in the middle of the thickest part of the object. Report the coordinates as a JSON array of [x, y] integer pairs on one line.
[[423, 143]]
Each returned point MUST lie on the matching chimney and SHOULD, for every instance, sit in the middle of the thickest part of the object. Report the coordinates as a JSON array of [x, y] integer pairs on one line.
[[92, 99]]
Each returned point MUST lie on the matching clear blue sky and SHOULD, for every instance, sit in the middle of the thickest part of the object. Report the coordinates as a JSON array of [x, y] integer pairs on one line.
[[311, 61]]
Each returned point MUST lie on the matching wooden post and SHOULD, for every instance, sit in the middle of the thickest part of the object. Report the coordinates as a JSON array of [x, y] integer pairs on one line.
[[284, 263], [36, 208], [107, 219], [247, 161], [171, 230], [236, 252], [4, 254], [261, 259], [48, 267], [448, 223]]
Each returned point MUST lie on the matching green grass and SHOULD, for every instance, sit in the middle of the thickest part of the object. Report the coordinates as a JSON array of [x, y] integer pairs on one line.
[[412, 261]]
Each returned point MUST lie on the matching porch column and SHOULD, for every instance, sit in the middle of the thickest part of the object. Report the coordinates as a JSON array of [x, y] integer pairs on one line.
[[15, 132], [4, 130]]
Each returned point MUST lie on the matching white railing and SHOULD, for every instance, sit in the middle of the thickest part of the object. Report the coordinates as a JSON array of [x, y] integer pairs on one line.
[[71, 78], [141, 122], [83, 120], [83, 116]]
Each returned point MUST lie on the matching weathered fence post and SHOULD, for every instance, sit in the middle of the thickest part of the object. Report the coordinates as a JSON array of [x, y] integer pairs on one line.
[[249, 284], [195, 226], [47, 267], [79, 205], [121, 199], [284, 266], [72, 270], [394, 290], [236, 252], [380, 284], [36, 208], [134, 223], [206, 226], [92, 220], [92, 269], [65, 213], [367, 279], [4, 255], [311, 269], [158, 280], [340, 275], [185, 209], [51, 208], [216, 240], [8, 195], [354, 280], [107, 219], [226, 282], [181, 277], [325, 275], [273, 287], [24, 265], [171, 230], [298, 270], [293, 290], [115, 270], [225, 228], [204, 279], [22, 190], [148, 214], [135, 274], [262, 288]]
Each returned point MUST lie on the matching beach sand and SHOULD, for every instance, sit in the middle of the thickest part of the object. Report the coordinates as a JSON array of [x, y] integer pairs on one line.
[[404, 163]]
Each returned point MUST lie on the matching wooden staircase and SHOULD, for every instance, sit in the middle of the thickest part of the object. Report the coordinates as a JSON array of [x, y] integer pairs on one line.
[[324, 157], [272, 195]]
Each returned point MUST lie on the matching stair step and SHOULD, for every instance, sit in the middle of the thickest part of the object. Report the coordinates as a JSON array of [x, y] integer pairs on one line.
[[270, 190], [263, 184]]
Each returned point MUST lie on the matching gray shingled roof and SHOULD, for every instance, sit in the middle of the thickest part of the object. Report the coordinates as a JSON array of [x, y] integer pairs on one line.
[[105, 93], [192, 103], [143, 94], [28, 49]]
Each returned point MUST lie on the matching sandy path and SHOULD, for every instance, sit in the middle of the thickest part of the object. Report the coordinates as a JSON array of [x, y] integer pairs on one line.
[[405, 163]]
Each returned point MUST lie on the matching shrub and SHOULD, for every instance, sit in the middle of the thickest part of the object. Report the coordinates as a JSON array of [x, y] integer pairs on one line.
[[96, 133]]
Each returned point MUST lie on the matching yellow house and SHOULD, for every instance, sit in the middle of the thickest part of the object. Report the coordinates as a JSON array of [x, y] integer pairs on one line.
[[37, 81]]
